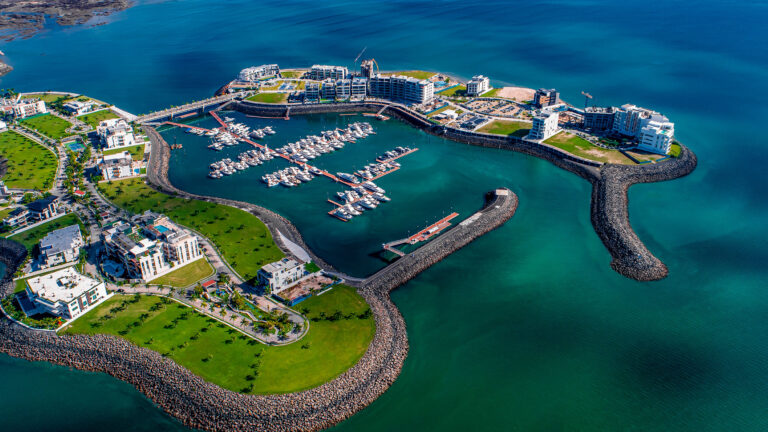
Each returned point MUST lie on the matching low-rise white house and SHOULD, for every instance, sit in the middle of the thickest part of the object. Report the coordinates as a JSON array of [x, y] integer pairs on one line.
[[119, 165], [77, 108], [22, 108], [61, 246], [544, 125], [281, 274], [478, 85], [116, 133], [255, 73], [64, 293]]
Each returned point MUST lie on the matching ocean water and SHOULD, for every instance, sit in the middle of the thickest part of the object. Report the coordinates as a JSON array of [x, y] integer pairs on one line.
[[527, 328]]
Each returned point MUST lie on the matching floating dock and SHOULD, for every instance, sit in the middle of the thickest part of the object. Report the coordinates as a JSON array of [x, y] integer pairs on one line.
[[423, 235]]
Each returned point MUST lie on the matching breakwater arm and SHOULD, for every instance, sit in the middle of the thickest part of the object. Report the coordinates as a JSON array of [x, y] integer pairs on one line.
[[609, 213]]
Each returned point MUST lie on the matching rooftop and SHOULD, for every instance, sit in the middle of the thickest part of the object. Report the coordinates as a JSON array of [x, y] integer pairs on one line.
[[282, 265], [60, 240], [61, 285]]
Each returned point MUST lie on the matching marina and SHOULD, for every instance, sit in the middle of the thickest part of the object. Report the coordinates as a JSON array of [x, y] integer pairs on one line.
[[421, 236]]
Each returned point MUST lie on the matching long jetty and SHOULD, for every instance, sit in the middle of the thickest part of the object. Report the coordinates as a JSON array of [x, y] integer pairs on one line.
[[184, 111]]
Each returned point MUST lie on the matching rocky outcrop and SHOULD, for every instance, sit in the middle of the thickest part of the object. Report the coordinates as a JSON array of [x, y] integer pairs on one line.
[[26, 18]]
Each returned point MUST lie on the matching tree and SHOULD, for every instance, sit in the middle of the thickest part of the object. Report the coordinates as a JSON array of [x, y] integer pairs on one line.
[[198, 290], [237, 300]]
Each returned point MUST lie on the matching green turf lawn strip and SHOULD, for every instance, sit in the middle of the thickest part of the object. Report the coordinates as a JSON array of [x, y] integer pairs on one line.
[[48, 124], [269, 97], [459, 90], [230, 359], [580, 147], [242, 238], [137, 151], [675, 150], [491, 93], [502, 127], [46, 97], [97, 117], [31, 237], [291, 74], [418, 74], [30, 165], [185, 276]]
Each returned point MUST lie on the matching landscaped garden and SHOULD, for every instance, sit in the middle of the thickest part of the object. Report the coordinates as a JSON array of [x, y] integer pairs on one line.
[[269, 97], [580, 147], [340, 331], [97, 117], [459, 90], [185, 276], [30, 165], [418, 74], [244, 241], [137, 151], [505, 127], [48, 124]]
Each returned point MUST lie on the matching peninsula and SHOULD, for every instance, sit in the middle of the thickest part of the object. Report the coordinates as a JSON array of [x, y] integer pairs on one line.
[[112, 268]]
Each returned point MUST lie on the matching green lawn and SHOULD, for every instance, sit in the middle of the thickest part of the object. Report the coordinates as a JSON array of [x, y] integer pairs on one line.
[[227, 358], [503, 127], [459, 90], [243, 239], [291, 74], [97, 117], [580, 147], [45, 97], [269, 97], [418, 74], [675, 150], [491, 93], [30, 165], [187, 275], [137, 151], [48, 124], [32, 237]]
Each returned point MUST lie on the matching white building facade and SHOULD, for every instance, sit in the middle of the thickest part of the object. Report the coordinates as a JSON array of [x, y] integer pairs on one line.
[[321, 72], [22, 108], [478, 85], [119, 165], [656, 137], [401, 88], [255, 73], [64, 293], [115, 133], [281, 274], [61, 246], [545, 124]]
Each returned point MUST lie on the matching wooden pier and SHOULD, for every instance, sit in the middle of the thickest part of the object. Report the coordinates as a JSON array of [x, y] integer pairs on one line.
[[423, 235]]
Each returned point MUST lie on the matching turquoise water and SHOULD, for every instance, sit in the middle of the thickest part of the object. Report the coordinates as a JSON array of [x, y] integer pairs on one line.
[[527, 328]]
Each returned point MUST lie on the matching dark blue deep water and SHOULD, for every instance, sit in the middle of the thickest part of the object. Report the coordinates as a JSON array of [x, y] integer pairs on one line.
[[527, 328]]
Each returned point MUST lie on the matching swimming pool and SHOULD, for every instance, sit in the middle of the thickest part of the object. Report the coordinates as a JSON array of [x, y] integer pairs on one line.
[[75, 146]]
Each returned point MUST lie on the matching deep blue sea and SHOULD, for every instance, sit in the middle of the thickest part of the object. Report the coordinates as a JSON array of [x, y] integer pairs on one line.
[[528, 328]]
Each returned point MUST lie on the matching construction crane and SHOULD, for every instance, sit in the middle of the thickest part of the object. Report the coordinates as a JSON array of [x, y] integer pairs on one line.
[[587, 97], [354, 63]]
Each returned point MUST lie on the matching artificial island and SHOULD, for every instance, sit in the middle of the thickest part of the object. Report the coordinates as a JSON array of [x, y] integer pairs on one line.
[[217, 309]]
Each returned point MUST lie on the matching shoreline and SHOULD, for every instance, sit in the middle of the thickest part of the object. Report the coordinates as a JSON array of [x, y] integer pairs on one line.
[[610, 183], [204, 405]]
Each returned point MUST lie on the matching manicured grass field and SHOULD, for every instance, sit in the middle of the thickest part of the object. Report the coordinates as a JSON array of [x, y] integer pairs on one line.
[[418, 74], [580, 147], [502, 127], [269, 97], [225, 357], [137, 151], [675, 150], [185, 276], [32, 237], [491, 93], [45, 97], [97, 117], [30, 165], [291, 74], [243, 239], [48, 125], [459, 90]]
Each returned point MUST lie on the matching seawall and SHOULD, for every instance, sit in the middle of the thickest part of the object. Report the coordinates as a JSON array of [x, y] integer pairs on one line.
[[609, 212]]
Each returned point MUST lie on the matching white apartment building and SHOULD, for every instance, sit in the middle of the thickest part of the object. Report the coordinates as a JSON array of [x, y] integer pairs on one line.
[[119, 165], [359, 88], [281, 274], [343, 89], [656, 136], [255, 73], [22, 108], [544, 125], [64, 293], [329, 89], [321, 72], [478, 85], [61, 246], [312, 91], [115, 133], [401, 88], [151, 247], [77, 108]]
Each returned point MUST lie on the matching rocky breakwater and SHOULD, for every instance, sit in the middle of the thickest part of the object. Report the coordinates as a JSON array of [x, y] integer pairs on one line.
[[13, 255], [500, 206], [610, 214]]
